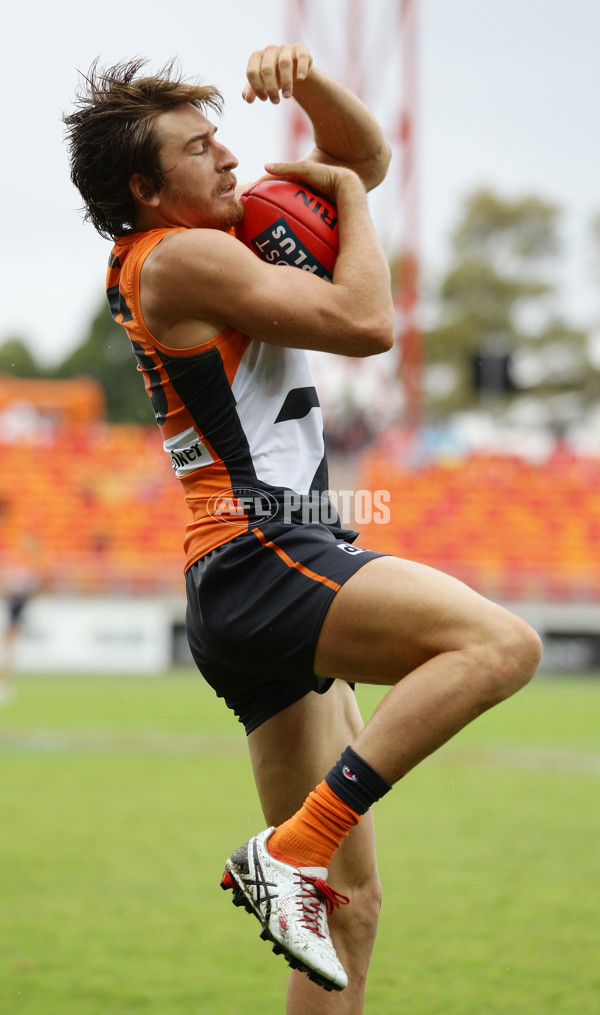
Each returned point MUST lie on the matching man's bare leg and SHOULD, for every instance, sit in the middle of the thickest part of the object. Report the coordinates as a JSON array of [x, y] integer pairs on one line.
[[290, 753], [449, 653], [7, 653]]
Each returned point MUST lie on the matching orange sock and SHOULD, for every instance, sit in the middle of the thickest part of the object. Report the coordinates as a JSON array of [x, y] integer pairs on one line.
[[311, 836]]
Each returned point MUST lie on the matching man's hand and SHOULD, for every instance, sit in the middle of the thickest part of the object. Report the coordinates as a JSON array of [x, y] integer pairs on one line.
[[345, 131], [325, 178], [276, 69]]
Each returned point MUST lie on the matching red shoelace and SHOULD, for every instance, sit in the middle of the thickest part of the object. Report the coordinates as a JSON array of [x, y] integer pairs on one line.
[[316, 891]]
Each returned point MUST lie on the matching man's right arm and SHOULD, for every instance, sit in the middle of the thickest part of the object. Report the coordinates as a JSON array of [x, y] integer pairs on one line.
[[201, 279]]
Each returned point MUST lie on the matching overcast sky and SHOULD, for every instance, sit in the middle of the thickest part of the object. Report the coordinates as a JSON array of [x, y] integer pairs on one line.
[[509, 97]]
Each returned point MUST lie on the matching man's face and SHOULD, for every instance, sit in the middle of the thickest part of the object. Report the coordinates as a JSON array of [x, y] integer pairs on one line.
[[199, 187]]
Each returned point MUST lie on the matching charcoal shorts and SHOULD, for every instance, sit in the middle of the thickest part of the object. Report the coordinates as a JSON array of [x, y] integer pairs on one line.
[[255, 607]]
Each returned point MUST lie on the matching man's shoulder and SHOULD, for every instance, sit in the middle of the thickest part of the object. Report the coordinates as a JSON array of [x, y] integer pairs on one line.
[[178, 279], [197, 244], [198, 236]]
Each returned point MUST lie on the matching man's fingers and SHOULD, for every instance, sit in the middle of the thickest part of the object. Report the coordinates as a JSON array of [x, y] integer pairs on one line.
[[296, 169], [248, 93], [275, 70], [254, 87], [261, 73], [303, 61], [285, 68]]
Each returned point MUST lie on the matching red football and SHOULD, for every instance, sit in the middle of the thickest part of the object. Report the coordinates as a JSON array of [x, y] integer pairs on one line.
[[290, 224]]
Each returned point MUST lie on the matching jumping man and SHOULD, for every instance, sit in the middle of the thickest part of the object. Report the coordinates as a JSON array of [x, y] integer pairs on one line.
[[284, 616]]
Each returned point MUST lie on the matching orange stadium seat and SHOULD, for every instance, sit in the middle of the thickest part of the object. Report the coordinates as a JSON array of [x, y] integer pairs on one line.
[[509, 528], [97, 508]]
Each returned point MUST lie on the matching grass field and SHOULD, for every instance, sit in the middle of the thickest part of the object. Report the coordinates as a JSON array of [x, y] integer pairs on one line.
[[120, 799]]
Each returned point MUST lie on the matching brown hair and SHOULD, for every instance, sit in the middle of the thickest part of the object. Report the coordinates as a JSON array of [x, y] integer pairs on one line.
[[112, 135]]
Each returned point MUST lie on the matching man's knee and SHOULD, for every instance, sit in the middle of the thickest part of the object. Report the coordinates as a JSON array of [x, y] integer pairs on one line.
[[513, 652]]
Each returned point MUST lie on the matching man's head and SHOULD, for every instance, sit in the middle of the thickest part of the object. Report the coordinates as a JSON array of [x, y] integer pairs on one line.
[[143, 153]]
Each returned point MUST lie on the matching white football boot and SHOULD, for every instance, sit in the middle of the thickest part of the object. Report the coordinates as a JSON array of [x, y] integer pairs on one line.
[[292, 904]]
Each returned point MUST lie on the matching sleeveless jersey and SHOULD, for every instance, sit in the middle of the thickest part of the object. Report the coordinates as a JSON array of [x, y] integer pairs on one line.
[[240, 419]]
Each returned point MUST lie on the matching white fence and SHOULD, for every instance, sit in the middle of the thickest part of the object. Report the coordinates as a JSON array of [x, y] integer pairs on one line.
[[96, 635], [145, 635]]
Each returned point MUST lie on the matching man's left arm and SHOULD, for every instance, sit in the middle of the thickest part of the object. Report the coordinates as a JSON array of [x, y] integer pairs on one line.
[[345, 131]]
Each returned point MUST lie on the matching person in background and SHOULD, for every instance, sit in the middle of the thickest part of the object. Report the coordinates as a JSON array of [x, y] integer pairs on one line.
[[19, 585]]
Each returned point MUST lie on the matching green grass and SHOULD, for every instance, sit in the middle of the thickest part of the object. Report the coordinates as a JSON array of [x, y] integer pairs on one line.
[[120, 798]]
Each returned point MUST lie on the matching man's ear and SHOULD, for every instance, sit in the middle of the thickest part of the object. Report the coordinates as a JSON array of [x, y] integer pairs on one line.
[[143, 191]]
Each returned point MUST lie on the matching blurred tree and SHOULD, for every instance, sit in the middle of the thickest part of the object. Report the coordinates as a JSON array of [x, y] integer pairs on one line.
[[595, 233], [106, 355], [499, 336], [16, 359]]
